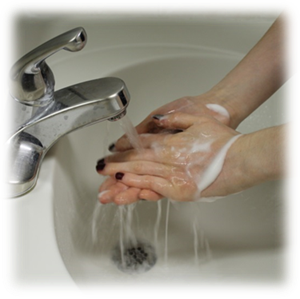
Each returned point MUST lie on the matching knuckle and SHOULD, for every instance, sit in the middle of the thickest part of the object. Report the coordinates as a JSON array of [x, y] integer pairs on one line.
[[152, 185], [137, 167], [155, 185]]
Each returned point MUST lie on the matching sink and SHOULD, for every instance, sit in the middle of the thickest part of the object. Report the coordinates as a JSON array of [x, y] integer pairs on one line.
[[67, 236]]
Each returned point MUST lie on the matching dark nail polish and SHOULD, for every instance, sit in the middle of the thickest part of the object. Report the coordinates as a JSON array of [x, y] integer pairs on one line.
[[157, 116], [100, 165], [119, 175], [177, 131], [101, 161], [112, 147]]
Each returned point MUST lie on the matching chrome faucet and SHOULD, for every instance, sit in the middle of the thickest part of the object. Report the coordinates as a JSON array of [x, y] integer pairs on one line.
[[40, 115]]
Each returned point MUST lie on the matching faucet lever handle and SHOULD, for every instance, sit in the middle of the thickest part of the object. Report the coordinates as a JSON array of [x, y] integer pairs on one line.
[[32, 81]]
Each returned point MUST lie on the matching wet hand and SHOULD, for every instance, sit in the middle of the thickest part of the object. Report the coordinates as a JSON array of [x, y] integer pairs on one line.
[[177, 166], [203, 105], [113, 190]]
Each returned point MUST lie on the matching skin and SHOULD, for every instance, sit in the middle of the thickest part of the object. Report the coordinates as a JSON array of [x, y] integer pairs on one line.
[[168, 164], [164, 170], [241, 91]]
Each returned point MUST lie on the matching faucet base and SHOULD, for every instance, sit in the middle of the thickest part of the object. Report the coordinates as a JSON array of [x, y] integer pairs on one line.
[[73, 107], [25, 154]]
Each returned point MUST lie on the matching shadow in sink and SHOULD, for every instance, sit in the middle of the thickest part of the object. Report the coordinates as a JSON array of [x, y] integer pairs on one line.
[[236, 237]]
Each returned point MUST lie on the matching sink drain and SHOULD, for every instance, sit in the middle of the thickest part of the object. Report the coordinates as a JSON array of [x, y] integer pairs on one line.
[[134, 258]]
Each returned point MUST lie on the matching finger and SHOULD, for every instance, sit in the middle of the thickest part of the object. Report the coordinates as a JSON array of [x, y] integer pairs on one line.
[[128, 196], [176, 120], [105, 197], [130, 155], [147, 126], [109, 192], [107, 183], [149, 195], [156, 184], [108, 195], [138, 167], [145, 141]]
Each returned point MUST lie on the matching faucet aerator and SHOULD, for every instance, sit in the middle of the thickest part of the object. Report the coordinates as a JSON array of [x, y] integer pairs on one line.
[[119, 116]]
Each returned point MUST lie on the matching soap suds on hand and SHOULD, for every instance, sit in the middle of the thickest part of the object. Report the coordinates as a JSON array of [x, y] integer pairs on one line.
[[219, 109], [214, 168]]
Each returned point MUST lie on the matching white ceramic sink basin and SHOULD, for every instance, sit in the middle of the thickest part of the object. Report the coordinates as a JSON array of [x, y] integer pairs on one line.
[[238, 238]]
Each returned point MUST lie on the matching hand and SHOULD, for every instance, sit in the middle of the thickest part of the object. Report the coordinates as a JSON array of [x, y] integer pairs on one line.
[[208, 104], [177, 166], [198, 105]]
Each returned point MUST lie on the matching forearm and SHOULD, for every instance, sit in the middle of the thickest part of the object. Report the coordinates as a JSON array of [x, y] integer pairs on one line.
[[255, 78], [264, 153], [253, 159]]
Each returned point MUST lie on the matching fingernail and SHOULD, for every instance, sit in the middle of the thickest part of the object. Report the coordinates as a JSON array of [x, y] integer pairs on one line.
[[119, 175], [100, 165], [112, 147], [158, 116], [177, 131], [171, 131]]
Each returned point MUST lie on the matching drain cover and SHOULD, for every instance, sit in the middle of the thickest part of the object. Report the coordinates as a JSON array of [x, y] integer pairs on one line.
[[134, 258]]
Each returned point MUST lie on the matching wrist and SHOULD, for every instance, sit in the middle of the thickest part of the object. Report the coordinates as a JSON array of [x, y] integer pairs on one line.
[[235, 175], [249, 168], [237, 172], [267, 149], [227, 99]]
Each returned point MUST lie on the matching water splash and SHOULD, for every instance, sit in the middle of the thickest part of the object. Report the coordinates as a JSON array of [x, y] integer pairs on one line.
[[121, 240], [166, 231], [126, 213], [196, 242], [157, 223], [95, 221], [207, 249], [127, 236]]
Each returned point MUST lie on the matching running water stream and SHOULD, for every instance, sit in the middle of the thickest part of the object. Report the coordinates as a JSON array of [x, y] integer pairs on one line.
[[127, 235], [131, 132]]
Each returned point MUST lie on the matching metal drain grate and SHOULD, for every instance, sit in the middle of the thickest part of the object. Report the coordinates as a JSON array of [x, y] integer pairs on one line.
[[136, 258]]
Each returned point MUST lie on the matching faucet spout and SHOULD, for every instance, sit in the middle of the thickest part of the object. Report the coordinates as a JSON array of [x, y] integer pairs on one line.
[[41, 115], [73, 107]]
